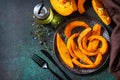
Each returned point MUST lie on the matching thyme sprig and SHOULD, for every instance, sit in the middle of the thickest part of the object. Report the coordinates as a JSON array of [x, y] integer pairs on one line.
[[44, 35]]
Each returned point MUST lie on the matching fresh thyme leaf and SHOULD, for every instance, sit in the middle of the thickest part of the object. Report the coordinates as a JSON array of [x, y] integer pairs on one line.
[[44, 35]]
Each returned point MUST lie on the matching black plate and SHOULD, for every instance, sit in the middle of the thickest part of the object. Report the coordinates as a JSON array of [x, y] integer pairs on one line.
[[91, 22]]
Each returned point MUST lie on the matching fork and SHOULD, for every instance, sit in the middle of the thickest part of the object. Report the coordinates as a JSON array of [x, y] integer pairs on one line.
[[43, 64], [46, 53]]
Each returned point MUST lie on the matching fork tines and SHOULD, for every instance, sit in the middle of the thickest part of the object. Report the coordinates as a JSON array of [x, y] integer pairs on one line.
[[38, 60]]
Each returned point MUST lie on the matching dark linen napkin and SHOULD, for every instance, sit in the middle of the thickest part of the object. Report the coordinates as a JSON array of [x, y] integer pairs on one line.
[[113, 8]]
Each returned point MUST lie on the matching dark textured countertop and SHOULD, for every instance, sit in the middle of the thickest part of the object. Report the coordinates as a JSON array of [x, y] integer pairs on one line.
[[17, 45]]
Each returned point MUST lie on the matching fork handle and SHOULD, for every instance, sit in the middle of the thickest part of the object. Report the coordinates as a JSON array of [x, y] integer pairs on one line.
[[52, 60], [55, 74]]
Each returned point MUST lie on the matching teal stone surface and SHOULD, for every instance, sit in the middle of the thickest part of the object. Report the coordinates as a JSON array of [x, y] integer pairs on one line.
[[17, 46]]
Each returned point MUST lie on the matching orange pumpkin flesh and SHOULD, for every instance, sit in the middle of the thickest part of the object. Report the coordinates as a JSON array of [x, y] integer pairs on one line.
[[98, 59], [94, 65], [104, 46], [63, 51], [74, 5], [85, 40], [101, 11], [70, 26], [80, 40], [81, 8], [78, 53], [64, 7], [93, 45], [70, 39], [81, 65]]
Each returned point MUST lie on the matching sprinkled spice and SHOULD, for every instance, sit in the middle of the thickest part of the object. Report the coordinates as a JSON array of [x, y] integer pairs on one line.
[[44, 35]]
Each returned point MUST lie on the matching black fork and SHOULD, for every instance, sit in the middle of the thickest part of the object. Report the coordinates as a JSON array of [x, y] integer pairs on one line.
[[43, 64], [46, 53]]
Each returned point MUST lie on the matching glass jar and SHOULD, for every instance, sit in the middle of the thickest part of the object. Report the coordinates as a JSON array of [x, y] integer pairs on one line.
[[42, 14]]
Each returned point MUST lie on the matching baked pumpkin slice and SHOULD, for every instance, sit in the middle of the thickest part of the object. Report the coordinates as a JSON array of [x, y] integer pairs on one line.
[[70, 26], [80, 42], [63, 51], [102, 49], [84, 58], [104, 44], [93, 45], [69, 45], [101, 11], [96, 63], [64, 7], [81, 8]]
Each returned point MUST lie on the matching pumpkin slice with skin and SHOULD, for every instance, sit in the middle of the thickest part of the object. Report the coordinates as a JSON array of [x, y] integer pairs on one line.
[[94, 65], [64, 7], [63, 51], [85, 40], [101, 11], [71, 39], [74, 5], [70, 26], [93, 45], [81, 8], [81, 65], [104, 46], [78, 53], [98, 59], [80, 41]]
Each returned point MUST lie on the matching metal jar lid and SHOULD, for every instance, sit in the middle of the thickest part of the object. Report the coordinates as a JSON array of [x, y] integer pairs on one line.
[[40, 11]]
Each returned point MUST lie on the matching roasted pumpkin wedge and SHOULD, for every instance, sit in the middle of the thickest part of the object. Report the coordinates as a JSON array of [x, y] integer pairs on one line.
[[81, 8], [98, 59], [81, 65], [96, 63], [80, 41], [70, 49], [85, 40], [79, 54], [63, 51], [70, 26], [101, 11], [93, 45], [71, 39], [64, 7], [104, 44]]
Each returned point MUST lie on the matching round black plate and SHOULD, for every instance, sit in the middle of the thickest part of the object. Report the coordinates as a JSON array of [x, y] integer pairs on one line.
[[91, 22]]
